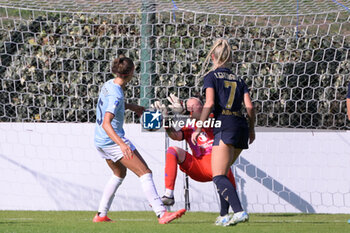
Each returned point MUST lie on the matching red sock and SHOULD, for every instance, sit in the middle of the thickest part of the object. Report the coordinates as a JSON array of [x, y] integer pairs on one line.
[[170, 168]]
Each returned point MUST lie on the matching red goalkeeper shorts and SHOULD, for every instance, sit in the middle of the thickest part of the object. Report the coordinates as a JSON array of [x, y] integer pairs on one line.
[[199, 169]]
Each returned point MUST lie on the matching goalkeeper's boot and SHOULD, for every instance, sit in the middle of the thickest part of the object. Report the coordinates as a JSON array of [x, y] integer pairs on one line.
[[168, 201], [222, 220], [237, 218], [98, 218], [170, 216]]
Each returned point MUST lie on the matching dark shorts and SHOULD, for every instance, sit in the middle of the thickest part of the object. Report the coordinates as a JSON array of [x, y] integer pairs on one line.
[[238, 138]]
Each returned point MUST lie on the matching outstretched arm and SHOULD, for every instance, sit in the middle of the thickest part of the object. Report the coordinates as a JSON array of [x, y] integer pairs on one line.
[[172, 133], [175, 135], [207, 108], [135, 108]]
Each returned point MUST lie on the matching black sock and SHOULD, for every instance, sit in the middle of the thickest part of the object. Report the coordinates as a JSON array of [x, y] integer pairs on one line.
[[224, 206], [228, 192]]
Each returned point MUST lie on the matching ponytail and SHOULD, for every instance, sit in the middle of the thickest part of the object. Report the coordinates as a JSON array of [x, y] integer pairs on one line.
[[222, 53]]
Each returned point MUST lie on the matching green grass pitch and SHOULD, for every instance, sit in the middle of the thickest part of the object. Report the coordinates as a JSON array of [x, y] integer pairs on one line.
[[81, 221]]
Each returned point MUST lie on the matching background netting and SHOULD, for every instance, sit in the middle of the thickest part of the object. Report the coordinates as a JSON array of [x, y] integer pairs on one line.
[[56, 55], [233, 7]]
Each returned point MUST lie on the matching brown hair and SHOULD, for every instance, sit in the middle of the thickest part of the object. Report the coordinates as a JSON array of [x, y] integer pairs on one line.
[[222, 53], [122, 66]]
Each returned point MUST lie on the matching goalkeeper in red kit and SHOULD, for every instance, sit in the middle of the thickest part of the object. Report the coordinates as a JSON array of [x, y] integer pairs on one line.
[[196, 165]]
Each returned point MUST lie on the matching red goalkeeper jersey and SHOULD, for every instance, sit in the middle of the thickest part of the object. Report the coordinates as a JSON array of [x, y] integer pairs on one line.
[[204, 141]]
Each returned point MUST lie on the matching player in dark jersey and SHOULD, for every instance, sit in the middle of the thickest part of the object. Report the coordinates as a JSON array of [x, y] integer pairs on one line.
[[348, 102], [225, 93], [196, 165]]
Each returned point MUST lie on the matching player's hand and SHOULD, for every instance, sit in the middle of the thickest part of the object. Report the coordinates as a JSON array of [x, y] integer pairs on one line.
[[251, 136], [177, 106], [195, 136], [128, 154], [160, 107]]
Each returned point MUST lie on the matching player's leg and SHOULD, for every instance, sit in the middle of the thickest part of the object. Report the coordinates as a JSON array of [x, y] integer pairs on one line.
[[174, 156], [222, 157], [200, 170], [111, 155], [224, 218], [140, 168], [236, 153], [119, 173], [231, 178]]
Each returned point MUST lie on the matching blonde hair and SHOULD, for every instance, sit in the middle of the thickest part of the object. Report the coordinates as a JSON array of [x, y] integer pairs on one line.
[[222, 54]]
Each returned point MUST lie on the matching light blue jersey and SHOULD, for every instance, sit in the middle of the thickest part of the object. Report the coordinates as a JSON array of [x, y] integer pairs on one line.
[[111, 99]]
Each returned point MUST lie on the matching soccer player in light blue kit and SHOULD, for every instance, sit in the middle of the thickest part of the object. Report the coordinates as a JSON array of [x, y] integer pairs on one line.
[[118, 151]]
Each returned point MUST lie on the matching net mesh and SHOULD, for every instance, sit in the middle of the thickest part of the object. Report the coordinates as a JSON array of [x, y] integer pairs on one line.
[[56, 55], [232, 7]]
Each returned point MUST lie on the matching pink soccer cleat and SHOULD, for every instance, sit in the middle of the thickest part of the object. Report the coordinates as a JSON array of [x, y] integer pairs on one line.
[[170, 216], [97, 218]]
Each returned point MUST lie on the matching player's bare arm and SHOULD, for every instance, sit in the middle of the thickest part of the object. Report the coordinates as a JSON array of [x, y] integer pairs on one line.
[[172, 133], [251, 116], [208, 106], [107, 126], [175, 135], [135, 108]]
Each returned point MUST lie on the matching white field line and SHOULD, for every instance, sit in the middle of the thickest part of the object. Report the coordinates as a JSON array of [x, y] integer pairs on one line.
[[15, 219], [150, 220]]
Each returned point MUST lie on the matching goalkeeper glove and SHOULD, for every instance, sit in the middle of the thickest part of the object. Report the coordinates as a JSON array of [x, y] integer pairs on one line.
[[160, 107], [177, 106]]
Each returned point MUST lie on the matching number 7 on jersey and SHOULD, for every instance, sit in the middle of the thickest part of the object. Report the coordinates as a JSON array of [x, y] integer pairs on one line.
[[231, 98]]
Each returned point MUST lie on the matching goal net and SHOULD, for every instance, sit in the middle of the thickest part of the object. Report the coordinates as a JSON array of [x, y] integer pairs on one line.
[[293, 55], [53, 60]]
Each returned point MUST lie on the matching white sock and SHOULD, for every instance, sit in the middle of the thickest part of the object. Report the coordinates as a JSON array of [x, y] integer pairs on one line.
[[169, 193], [108, 194], [151, 194]]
